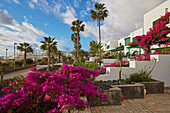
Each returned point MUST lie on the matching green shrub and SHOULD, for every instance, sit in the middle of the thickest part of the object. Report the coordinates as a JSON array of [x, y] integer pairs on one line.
[[43, 62], [142, 76], [29, 61], [18, 63], [89, 65], [45, 58]]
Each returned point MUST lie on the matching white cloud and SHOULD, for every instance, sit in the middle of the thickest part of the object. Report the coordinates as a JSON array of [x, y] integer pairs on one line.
[[26, 33], [34, 1], [31, 5], [16, 1], [8, 21], [46, 24], [62, 45], [124, 17], [83, 13], [69, 15]]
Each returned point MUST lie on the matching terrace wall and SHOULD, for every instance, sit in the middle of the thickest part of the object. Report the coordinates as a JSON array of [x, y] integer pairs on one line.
[[161, 71]]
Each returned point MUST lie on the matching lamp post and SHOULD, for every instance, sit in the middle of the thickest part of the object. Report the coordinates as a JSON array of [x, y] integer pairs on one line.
[[6, 54], [14, 54]]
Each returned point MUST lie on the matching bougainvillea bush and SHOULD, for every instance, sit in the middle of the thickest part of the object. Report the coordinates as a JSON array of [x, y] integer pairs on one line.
[[51, 92], [146, 57], [158, 32], [116, 64]]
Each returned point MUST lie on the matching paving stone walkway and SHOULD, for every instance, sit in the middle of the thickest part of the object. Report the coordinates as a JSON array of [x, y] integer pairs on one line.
[[155, 103]]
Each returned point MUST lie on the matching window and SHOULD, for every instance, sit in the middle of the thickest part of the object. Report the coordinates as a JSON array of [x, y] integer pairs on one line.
[[127, 41], [120, 44], [108, 46], [134, 39]]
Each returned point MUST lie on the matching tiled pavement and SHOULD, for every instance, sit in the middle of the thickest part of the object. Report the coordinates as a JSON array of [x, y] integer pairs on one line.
[[155, 103]]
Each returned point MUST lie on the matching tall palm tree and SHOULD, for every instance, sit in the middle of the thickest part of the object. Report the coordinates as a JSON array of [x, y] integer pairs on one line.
[[26, 47], [46, 45], [74, 39], [99, 14], [77, 27]]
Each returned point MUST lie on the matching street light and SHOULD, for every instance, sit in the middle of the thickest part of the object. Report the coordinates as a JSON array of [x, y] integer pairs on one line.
[[14, 54], [6, 54]]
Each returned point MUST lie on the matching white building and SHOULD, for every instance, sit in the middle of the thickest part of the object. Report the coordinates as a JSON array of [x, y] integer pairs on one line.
[[149, 21]]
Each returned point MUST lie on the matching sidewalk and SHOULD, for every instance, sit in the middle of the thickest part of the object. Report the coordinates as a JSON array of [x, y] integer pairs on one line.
[[24, 72], [152, 103]]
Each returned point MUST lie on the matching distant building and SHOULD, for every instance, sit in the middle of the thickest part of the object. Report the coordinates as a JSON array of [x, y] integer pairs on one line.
[[34, 55]]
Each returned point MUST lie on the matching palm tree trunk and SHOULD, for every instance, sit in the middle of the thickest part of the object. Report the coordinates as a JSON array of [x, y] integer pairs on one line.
[[99, 42], [77, 44], [99, 34], [25, 53], [48, 67], [52, 61]]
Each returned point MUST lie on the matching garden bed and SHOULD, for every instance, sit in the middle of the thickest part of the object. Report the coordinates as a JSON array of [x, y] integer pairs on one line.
[[153, 87], [132, 91], [113, 98], [129, 91]]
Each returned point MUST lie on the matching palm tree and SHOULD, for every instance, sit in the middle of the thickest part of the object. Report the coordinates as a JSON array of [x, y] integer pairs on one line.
[[77, 27], [47, 45], [95, 48], [26, 47], [59, 53], [74, 39], [99, 14]]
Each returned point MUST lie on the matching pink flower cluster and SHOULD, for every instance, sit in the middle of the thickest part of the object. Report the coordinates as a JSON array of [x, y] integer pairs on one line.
[[117, 64], [143, 57], [52, 92], [158, 32]]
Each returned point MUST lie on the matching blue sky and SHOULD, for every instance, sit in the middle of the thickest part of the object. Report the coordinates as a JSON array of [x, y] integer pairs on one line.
[[31, 20]]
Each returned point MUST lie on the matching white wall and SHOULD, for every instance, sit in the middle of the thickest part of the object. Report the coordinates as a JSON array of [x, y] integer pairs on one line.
[[161, 71], [113, 44], [154, 14]]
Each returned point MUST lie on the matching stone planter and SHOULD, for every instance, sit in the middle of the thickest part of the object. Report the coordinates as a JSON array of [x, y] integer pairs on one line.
[[132, 91], [153, 87], [113, 98]]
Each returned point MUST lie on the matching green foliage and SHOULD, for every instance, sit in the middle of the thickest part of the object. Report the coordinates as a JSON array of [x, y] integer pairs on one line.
[[18, 63], [79, 62], [45, 58], [89, 65], [142, 76]]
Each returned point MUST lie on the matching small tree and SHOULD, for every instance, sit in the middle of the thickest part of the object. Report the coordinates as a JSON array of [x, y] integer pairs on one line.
[[26, 48], [120, 56], [47, 45]]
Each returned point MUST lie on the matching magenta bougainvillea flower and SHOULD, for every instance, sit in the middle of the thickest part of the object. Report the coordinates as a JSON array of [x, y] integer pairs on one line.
[[158, 32], [52, 92]]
